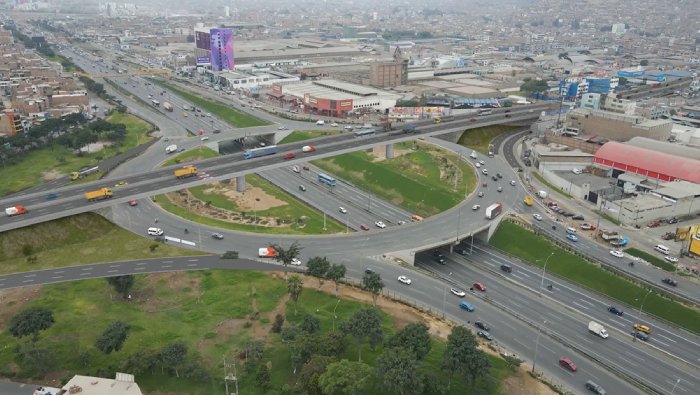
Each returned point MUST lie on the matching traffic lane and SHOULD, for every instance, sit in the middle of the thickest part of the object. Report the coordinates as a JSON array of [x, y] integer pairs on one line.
[[561, 321], [675, 342]]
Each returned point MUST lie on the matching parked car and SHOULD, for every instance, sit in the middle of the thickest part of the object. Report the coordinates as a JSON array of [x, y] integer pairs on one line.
[[671, 259], [482, 325], [578, 217], [485, 335]]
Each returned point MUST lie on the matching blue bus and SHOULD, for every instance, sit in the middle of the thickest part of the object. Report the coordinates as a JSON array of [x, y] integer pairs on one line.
[[364, 132], [326, 179]]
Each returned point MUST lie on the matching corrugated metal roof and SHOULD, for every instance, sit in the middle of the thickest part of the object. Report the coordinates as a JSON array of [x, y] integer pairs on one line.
[[668, 148], [623, 156]]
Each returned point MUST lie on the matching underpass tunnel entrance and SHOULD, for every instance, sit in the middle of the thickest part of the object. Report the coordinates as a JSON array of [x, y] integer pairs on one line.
[[241, 144]]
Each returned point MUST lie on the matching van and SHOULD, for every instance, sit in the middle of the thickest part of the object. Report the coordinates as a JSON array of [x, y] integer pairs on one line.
[[155, 232], [416, 218], [473, 155], [642, 328], [570, 231], [506, 268], [662, 249]]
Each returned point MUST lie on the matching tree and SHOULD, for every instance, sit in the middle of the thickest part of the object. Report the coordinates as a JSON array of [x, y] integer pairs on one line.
[[310, 324], [35, 359], [413, 337], [122, 284], [362, 324], [398, 369], [113, 337], [295, 285], [303, 348], [285, 256], [318, 267], [173, 355], [345, 378], [30, 322], [277, 325], [531, 85], [335, 273], [262, 376], [311, 371], [373, 283], [334, 344], [462, 356]]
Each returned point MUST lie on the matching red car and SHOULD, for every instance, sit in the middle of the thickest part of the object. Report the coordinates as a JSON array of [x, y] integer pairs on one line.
[[480, 287], [290, 155], [472, 120], [364, 227], [566, 362], [133, 202]]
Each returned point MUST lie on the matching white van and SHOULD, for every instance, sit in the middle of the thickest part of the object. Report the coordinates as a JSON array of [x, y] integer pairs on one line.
[[155, 232], [662, 249], [473, 155], [570, 231], [320, 122]]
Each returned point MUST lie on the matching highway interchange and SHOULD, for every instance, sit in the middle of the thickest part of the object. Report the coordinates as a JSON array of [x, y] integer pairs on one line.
[[566, 308]]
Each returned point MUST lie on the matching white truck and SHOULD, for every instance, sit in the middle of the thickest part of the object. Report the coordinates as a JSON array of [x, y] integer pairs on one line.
[[494, 210], [170, 149], [597, 329], [542, 194]]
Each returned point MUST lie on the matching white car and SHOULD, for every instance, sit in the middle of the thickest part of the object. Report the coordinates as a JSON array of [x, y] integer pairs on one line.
[[576, 171], [342, 210], [537, 217], [347, 127], [405, 280], [512, 182], [380, 224], [671, 259], [205, 138], [481, 162], [335, 125], [476, 207], [296, 262], [484, 171], [478, 164], [320, 122], [282, 127], [457, 292], [617, 253]]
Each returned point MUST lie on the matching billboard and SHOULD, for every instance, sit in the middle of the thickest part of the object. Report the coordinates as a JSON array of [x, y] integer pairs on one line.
[[202, 40], [221, 49], [598, 85]]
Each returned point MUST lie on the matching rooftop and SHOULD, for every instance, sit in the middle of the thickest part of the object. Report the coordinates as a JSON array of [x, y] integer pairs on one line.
[[123, 385]]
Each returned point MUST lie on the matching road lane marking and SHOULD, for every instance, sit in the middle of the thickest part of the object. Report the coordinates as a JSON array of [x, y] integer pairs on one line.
[[587, 302], [192, 260], [59, 271], [112, 271], [139, 268], [192, 265], [30, 275], [86, 269], [665, 337], [166, 266], [85, 274], [56, 277], [114, 265], [167, 261], [28, 281], [580, 305], [660, 342]]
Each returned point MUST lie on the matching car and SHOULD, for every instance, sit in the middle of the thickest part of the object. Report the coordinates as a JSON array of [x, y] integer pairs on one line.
[[484, 171], [512, 182], [281, 127], [342, 210], [595, 388], [296, 262], [537, 217], [670, 282], [617, 254], [369, 270], [347, 127], [133, 202], [289, 155], [458, 292], [440, 259], [641, 336], [155, 232], [482, 162], [205, 138], [216, 131], [482, 325], [334, 124], [494, 178], [485, 335], [364, 227], [466, 306], [320, 122], [572, 237], [472, 119], [615, 310], [208, 114], [499, 175], [481, 194], [121, 184], [477, 165], [305, 167], [673, 220], [401, 222], [182, 149], [500, 189], [380, 224], [217, 236], [642, 328], [302, 188], [576, 171], [671, 259], [479, 286], [52, 196], [567, 363], [405, 280], [476, 207]]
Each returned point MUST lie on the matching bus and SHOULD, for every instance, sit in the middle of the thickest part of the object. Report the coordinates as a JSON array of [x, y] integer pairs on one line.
[[326, 179], [569, 131], [364, 132], [155, 103], [484, 111]]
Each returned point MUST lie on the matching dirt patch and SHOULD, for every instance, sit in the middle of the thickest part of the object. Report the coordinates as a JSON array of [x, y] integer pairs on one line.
[[521, 383], [173, 280], [51, 175], [12, 301]]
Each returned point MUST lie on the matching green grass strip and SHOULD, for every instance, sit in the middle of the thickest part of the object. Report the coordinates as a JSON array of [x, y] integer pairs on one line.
[[479, 139], [301, 135], [660, 263]]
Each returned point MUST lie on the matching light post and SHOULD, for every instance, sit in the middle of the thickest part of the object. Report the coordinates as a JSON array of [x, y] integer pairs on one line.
[[642, 305], [544, 270], [675, 385], [537, 344]]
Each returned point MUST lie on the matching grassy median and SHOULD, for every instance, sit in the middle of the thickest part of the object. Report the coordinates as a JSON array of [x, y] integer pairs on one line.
[[479, 139], [301, 135]]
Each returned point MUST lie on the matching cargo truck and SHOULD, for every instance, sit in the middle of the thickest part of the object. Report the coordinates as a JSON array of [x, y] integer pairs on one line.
[[597, 329], [83, 173], [494, 210], [170, 149], [258, 152], [187, 171], [100, 194], [15, 210], [267, 252], [167, 106]]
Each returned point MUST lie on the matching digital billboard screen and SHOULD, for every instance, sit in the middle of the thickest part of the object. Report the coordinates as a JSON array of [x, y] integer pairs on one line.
[[221, 49]]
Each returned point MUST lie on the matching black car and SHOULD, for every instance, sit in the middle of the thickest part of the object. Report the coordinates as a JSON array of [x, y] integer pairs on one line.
[[482, 325], [567, 214], [369, 270], [499, 175], [436, 252], [670, 282], [615, 310], [578, 217], [462, 251], [485, 335], [494, 178], [641, 336], [217, 236], [673, 220]]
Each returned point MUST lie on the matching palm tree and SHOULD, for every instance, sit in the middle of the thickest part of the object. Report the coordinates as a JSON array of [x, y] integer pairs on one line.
[[285, 256], [294, 287]]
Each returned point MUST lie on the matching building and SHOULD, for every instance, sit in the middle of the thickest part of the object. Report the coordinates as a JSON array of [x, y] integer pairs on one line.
[[618, 127], [618, 28], [214, 48], [620, 106], [649, 163], [10, 123], [591, 101], [388, 74], [123, 384]]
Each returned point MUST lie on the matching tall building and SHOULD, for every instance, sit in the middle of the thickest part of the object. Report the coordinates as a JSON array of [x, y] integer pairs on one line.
[[390, 73], [214, 48]]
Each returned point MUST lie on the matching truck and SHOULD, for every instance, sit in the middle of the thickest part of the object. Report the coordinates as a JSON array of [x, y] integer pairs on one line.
[[528, 201], [597, 329], [167, 106], [76, 175], [170, 149], [542, 194], [15, 210], [608, 235], [494, 210], [187, 171], [267, 252], [100, 194], [308, 148], [258, 152], [410, 128]]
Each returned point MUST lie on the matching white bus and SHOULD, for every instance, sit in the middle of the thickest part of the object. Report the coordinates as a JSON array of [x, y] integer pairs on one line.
[[569, 131]]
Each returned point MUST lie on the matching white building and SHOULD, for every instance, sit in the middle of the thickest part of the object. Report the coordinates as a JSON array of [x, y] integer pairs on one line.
[[618, 28]]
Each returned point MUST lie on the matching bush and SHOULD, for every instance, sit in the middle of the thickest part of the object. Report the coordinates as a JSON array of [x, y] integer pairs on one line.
[[153, 247], [230, 255], [27, 249], [279, 322]]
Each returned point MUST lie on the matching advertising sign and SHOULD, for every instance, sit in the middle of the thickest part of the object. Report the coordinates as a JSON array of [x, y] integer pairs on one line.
[[202, 60], [221, 49], [202, 40]]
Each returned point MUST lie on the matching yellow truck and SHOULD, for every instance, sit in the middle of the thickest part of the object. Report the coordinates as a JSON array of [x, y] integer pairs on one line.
[[102, 193], [187, 171], [528, 201]]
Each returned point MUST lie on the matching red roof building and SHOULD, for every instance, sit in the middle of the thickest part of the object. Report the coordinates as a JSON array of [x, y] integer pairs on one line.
[[649, 163]]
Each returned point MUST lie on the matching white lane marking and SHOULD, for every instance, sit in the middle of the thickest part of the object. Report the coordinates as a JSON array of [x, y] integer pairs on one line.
[[85, 274], [193, 260], [660, 342], [28, 281], [56, 277], [114, 265], [86, 269], [580, 305], [192, 265], [666, 337], [587, 302], [167, 261], [112, 271], [30, 275], [631, 355], [140, 268], [166, 266], [59, 271]]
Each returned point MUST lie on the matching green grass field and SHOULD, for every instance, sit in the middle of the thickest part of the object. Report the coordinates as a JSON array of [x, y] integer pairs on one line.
[[228, 114], [480, 138], [80, 239], [412, 181], [301, 135], [658, 262], [59, 160], [194, 154], [530, 247], [208, 311]]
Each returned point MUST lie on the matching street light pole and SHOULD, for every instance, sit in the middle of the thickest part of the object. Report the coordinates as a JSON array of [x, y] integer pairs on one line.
[[544, 270], [642, 305], [537, 344], [675, 385]]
